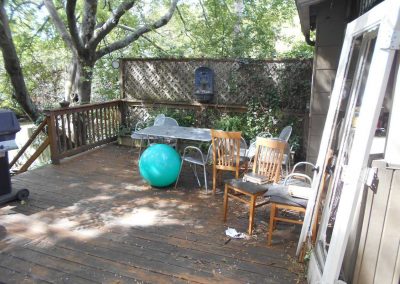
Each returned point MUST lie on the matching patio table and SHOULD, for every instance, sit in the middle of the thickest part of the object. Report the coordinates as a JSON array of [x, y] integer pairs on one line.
[[177, 132], [181, 132]]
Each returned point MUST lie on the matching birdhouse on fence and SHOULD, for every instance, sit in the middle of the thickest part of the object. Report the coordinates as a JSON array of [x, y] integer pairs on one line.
[[203, 84]]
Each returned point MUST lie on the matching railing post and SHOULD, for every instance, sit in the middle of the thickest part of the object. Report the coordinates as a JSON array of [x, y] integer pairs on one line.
[[123, 109], [51, 124]]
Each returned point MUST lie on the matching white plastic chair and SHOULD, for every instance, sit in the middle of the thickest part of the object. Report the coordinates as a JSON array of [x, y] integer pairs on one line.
[[135, 136], [159, 120], [285, 135], [194, 156], [169, 121]]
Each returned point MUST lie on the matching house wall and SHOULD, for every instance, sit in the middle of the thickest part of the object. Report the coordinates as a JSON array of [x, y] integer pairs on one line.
[[378, 256], [330, 27]]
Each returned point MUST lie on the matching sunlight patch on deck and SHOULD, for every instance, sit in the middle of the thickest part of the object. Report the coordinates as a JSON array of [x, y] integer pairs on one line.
[[143, 217]]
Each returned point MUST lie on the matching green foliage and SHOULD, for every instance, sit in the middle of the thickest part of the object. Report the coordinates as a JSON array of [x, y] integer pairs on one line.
[[10, 104], [183, 117], [259, 119], [105, 81], [216, 29], [124, 130], [299, 50], [230, 123]]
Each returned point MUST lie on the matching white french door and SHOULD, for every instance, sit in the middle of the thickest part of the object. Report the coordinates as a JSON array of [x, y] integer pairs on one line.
[[361, 80]]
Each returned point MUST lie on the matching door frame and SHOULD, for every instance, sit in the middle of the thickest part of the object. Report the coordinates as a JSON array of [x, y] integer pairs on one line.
[[387, 16]]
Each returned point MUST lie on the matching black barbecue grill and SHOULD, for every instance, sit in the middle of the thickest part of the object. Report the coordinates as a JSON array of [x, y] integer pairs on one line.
[[9, 126]]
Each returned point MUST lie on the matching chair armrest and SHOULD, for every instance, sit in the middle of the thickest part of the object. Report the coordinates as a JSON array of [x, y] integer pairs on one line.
[[302, 163], [290, 176]]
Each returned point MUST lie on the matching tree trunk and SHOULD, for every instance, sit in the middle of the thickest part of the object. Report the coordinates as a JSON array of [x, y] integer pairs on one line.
[[13, 67], [70, 83], [84, 76]]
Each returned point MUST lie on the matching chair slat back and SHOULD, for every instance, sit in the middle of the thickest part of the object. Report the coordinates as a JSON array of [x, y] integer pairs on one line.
[[169, 121], [226, 149], [268, 158], [159, 120]]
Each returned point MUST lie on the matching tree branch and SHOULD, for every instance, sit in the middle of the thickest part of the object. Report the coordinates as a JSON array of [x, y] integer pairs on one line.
[[111, 23], [145, 37], [184, 24], [204, 13], [89, 20], [72, 25], [28, 44], [58, 23], [15, 7], [138, 32]]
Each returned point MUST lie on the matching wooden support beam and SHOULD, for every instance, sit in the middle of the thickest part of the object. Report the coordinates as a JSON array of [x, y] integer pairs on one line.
[[28, 143], [35, 155]]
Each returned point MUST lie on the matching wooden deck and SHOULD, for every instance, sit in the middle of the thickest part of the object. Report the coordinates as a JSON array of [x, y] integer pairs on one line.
[[92, 219]]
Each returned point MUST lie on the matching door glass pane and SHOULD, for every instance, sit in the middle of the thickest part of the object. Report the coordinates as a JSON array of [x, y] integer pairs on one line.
[[378, 147], [351, 117], [343, 134], [336, 136]]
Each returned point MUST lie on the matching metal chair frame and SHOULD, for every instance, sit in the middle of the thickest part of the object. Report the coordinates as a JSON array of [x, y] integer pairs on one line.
[[196, 161]]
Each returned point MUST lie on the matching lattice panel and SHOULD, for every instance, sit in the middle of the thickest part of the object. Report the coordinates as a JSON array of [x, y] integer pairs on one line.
[[167, 80]]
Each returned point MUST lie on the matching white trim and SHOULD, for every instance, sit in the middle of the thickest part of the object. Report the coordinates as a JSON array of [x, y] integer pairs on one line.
[[392, 153]]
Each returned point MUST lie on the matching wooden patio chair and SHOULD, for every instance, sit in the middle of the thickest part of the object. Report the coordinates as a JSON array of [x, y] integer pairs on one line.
[[226, 153], [291, 196], [267, 163], [284, 135]]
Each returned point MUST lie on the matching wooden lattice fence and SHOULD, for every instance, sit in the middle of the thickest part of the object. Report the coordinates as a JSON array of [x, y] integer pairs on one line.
[[236, 81], [247, 94]]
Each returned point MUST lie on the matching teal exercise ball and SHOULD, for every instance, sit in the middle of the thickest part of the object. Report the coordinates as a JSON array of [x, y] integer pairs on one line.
[[159, 165]]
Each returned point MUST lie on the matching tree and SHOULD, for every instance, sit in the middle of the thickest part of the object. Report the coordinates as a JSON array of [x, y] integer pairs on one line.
[[226, 29], [13, 66], [84, 38]]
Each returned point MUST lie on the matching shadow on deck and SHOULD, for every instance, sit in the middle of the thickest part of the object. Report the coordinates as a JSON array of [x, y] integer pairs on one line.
[[93, 219]]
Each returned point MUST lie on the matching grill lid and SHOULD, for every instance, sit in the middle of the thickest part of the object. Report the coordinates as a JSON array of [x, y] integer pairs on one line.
[[9, 125]]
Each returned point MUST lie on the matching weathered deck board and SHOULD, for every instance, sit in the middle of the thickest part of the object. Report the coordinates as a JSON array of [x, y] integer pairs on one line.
[[93, 219]]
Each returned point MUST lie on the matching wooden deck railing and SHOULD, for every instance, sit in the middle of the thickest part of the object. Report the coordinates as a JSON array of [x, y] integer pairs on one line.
[[77, 129], [38, 152]]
